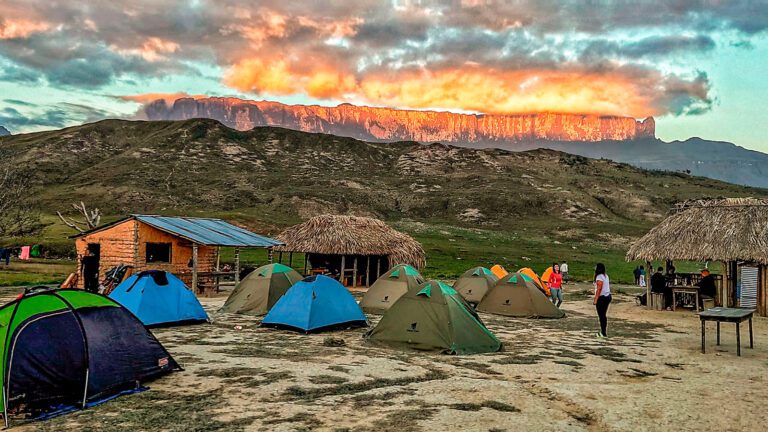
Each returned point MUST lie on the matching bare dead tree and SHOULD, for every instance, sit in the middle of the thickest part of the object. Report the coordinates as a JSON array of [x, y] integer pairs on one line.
[[90, 218], [19, 213]]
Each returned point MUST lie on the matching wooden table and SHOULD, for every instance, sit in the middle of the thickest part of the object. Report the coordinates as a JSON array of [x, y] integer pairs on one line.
[[684, 289], [733, 315]]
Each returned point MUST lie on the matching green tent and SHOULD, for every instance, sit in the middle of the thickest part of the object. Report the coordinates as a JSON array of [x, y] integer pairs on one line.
[[517, 295], [475, 283], [389, 287], [261, 289], [433, 317]]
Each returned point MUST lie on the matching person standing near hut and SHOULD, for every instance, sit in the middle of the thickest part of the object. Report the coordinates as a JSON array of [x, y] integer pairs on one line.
[[636, 273], [555, 283], [89, 266], [602, 298], [642, 276], [564, 271], [659, 286]]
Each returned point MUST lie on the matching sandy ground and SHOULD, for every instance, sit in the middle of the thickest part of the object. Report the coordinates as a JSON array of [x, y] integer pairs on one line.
[[552, 375]]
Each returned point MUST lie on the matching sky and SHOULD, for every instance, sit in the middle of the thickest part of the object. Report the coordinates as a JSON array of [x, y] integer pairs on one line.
[[698, 67]]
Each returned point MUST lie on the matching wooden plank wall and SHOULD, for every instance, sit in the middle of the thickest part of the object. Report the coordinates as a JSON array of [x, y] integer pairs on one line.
[[125, 243]]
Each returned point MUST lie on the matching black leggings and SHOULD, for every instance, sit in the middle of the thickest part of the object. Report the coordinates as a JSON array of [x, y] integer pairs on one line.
[[602, 311]]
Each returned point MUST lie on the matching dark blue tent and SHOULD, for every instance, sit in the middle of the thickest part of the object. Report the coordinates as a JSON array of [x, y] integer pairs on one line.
[[157, 297], [316, 303]]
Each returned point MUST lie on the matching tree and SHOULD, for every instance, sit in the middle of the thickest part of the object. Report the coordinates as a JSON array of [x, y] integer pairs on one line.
[[90, 220], [19, 213]]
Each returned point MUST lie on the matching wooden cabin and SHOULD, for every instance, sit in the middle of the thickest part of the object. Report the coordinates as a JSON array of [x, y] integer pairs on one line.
[[733, 231], [356, 250], [187, 247]]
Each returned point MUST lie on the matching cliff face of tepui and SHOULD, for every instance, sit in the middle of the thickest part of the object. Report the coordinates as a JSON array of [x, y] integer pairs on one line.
[[386, 124], [4, 131]]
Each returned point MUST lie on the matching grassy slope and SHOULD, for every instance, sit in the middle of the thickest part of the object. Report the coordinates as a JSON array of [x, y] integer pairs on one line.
[[466, 206]]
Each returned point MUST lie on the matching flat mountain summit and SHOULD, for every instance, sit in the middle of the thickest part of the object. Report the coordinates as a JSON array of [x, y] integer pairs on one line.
[[285, 175]]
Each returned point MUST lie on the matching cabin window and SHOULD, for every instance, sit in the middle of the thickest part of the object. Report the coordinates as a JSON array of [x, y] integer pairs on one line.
[[158, 252]]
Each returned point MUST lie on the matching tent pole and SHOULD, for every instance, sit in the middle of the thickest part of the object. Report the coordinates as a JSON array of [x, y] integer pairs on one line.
[[194, 267], [354, 273], [341, 273], [368, 271], [237, 266]]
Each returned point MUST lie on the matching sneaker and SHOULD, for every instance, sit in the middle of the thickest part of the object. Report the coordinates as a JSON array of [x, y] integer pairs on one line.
[[599, 335]]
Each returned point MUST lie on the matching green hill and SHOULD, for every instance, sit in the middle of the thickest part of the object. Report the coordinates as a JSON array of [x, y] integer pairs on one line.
[[464, 204]]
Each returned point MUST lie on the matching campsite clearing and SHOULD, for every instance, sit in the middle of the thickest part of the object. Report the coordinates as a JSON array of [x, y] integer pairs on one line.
[[551, 375]]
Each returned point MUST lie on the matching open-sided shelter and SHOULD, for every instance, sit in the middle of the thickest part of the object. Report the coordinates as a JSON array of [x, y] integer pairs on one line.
[[434, 317], [389, 287], [316, 303], [733, 231], [475, 283], [70, 349], [258, 292], [516, 295], [354, 249], [157, 298], [185, 246]]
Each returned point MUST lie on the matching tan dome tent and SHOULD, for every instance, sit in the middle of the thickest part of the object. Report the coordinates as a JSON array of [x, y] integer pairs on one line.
[[516, 295], [261, 289], [475, 283], [433, 317], [389, 287]]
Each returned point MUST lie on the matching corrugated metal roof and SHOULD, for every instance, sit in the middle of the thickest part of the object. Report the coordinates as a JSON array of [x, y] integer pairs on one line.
[[209, 232]]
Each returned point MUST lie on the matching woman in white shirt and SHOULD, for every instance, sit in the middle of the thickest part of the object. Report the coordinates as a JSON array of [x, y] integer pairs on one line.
[[602, 298]]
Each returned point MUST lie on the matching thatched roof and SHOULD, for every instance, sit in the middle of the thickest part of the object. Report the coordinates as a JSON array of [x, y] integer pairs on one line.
[[352, 235], [732, 229]]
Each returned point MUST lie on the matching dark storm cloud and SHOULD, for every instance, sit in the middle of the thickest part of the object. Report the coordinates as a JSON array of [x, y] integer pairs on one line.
[[56, 116]]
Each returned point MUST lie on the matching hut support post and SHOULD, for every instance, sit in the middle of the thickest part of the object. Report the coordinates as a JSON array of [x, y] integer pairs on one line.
[[306, 262], [354, 273], [280, 257], [648, 274], [194, 267], [341, 273], [218, 267], [237, 266], [368, 271], [290, 259], [378, 267], [270, 255]]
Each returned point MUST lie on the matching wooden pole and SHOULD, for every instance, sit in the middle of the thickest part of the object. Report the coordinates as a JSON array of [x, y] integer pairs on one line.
[[290, 259], [194, 267], [306, 262], [280, 257], [368, 271], [270, 255], [218, 267], [354, 273], [237, 266], [647, 284], [378, 267], [341, 273]]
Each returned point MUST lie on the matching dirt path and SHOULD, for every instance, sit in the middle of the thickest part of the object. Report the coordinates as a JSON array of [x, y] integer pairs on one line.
[[552, 375]]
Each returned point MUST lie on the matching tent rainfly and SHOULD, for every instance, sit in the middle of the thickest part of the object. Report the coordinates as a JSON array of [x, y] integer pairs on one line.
[[351, 246], [732, 230]]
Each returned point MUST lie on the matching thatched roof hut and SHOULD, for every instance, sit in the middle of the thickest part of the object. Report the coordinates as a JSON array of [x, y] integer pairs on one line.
[[732, 229], [352, 243]]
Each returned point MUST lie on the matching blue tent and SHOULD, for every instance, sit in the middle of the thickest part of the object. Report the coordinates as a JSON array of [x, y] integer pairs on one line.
[[314, 303], [157, 297]]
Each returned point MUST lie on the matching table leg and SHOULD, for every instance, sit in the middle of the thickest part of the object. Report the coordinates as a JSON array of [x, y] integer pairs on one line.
[[718, 332], [697, 301], [751, 341], [703, 336], [738, 340]]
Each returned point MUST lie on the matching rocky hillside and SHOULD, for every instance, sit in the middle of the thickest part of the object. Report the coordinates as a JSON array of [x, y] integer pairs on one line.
[[4, 131], [281, 176], [386, 124]]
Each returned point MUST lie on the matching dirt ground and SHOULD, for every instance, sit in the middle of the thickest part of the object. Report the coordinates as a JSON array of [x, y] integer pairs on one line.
[[551, 375]]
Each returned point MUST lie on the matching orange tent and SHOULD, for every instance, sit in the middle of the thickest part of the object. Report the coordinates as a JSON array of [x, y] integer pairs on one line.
[[499, 271], [545, 277], [532, 274]]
